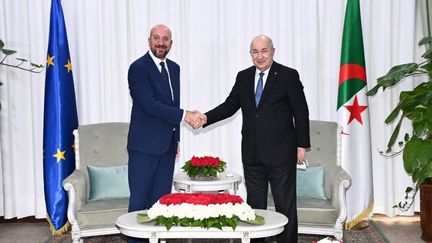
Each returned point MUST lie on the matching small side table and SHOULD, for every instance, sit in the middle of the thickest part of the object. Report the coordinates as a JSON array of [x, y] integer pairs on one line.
[[226, 181]]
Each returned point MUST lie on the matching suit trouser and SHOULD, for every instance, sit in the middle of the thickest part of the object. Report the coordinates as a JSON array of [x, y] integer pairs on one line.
[[150, 177], [282, 180]]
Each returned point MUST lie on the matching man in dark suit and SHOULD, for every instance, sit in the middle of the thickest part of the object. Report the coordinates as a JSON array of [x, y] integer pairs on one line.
[[154, 132], [275, 130]]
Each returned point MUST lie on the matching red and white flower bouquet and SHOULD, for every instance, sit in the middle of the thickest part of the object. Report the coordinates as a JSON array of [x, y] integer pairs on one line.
[[200, 210], [204, 166]]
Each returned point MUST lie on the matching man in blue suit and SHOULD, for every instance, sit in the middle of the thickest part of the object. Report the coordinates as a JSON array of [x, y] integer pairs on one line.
[[154, 132]]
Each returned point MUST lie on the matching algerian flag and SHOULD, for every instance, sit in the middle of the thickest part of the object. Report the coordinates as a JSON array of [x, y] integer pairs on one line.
[[353, 117]]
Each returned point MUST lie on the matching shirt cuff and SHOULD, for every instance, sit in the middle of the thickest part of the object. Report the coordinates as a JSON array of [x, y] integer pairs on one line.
[[183, 116]]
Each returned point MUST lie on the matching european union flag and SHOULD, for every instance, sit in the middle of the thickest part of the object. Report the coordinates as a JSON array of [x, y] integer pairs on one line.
[[60, 119]]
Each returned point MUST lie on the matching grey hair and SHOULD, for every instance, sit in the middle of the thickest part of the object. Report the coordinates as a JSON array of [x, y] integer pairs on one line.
[[262, 36]]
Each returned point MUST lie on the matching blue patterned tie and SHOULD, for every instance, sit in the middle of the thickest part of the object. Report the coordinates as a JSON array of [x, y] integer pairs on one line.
[[259, 89]]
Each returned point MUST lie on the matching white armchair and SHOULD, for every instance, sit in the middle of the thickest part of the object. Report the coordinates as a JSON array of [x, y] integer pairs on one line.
[[324, 216], [101, 145]]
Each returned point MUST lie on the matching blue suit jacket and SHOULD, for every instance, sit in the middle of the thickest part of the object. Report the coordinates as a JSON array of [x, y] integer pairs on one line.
[[155, 117]]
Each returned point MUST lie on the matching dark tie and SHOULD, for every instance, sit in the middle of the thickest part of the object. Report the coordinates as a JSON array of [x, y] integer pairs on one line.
[[259, 89], [166, 78]]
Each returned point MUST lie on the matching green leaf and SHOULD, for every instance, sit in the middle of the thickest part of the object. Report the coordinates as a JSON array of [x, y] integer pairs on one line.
[[394, 135], [408, 189], [428, 54], [393, 114], [425, 40], [197, 223], [143, 218], [1, 44], [406, 137], [21, 59], [417, 158], [8, 52], [396, 73], [374, 90], [36, 65], [168, 224], [259, 220], [427, 66]]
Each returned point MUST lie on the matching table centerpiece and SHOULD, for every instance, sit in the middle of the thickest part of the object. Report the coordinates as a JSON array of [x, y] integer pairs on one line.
[[200, 210], [204, 167]]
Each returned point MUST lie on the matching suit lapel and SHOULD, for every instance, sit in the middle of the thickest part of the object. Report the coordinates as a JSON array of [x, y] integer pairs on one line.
[[157, 75], [250, 80]]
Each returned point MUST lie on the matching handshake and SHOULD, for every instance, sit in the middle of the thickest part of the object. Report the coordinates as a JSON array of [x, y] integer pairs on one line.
[[195, 118]]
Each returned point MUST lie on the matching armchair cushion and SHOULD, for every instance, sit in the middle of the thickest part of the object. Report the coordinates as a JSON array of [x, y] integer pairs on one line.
[[310, 182], [108, 182]]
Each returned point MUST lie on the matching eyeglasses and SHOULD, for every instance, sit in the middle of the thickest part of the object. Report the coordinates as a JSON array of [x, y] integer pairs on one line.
[[157, 38]]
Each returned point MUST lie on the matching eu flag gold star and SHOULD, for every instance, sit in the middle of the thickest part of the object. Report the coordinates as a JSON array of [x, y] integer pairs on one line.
[[68, 66], [50, 60], [59, 155]]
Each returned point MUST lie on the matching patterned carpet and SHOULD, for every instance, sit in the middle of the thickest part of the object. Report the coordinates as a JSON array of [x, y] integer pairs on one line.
[[370, 234]]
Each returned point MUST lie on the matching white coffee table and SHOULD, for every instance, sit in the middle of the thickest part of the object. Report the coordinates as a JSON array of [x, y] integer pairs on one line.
[[274, 224], [224, 182]]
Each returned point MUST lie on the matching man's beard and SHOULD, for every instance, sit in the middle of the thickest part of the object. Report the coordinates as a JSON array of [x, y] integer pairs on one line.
[[160, 55]]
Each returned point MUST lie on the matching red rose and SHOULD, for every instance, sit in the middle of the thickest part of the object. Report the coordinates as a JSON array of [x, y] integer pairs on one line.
[[205, 161], [199, 198]]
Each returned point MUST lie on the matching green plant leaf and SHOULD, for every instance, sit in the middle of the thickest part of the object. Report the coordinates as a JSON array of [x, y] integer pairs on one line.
[[393, 115], [21, 59], [259, 220], [393, 76], [394, 135], [427, 66], [428, 54], [374, 90], [143, 218], [425, 40], [8, 52], [396, 73], [1, 44], [417, 156], [406, 137], [36, 65]]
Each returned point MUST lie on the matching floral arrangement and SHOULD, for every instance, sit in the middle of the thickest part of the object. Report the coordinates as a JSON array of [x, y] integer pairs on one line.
[[200, 210], [329, 240], [208, 166]]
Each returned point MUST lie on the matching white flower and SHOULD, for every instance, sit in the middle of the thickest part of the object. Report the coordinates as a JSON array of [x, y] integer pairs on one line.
[[185, 210], [226, 210], [328, 240], [156, 210], [199, 212], [244, 211]]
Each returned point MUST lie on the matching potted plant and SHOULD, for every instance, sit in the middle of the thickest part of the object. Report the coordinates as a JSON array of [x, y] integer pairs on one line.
[[416, 106]]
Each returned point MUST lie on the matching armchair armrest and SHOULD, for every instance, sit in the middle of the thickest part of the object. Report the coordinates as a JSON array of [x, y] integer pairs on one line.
[[76, 187], [339, 183]]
